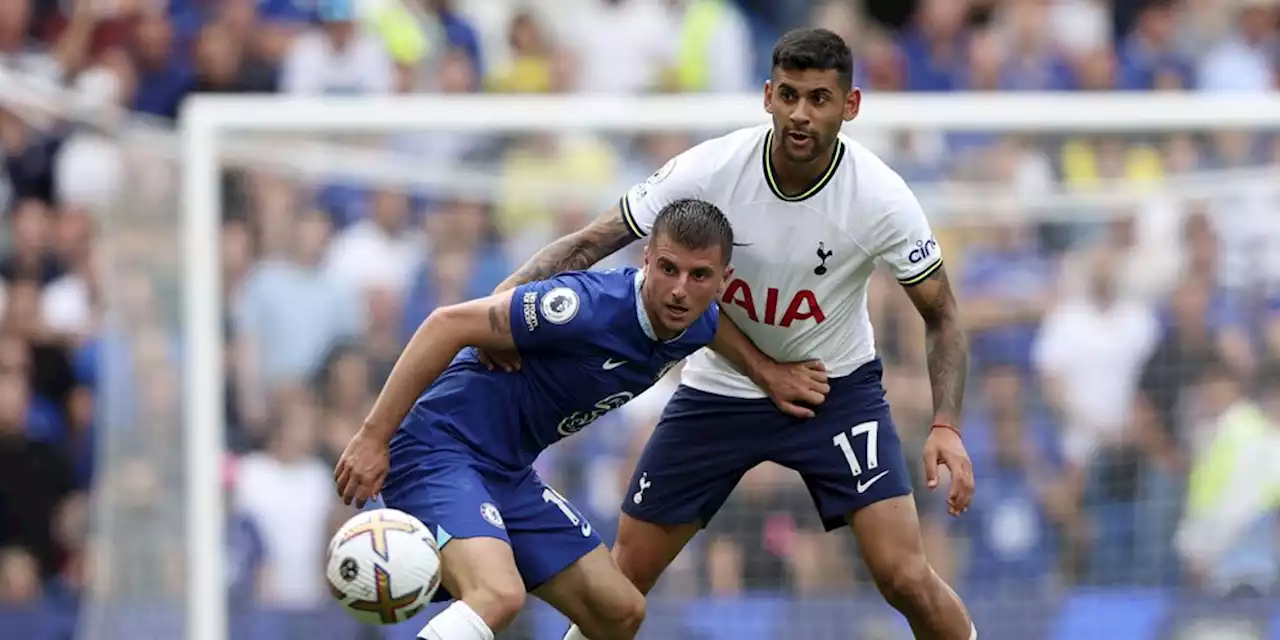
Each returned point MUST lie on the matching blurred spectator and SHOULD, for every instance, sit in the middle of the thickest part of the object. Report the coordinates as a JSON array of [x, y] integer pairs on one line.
[[245, 547], [1228, 534], [531, 68], [1027, 519], [463, 262], [34, 477], [31, 256], [1034, 62], [337, 57], [19, 577], [1247, 60], [287, 492], [164, 73], [713, 51], [1089, 353], [1150, 56], [933, 46], [221, 65], [620, 46], [289, 315], [767, 537], [379, 251]]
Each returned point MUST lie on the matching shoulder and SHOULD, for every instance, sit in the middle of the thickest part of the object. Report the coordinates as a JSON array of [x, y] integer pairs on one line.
[[715, 155], [878, 189], [591, 294]]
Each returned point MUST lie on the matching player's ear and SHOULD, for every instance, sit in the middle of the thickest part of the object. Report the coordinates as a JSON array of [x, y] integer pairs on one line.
[[646, 257], [852, 104], [768, 96]]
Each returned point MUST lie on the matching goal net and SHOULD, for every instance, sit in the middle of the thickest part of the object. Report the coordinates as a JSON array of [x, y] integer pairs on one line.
[[1115, 259]]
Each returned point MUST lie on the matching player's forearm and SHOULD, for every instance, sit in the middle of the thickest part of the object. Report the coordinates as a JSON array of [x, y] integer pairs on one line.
[[948, 362], [734, 345], [576, 251]]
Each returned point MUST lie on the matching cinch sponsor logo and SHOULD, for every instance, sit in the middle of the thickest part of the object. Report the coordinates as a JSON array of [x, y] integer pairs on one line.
[[924, 249]]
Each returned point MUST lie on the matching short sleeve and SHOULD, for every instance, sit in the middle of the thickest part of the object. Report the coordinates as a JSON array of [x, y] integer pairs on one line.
[[679, 178], [903, 239], [550, 312]]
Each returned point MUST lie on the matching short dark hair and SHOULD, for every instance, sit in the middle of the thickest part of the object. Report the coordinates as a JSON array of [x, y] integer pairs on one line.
[[819, 49], [695, 224]]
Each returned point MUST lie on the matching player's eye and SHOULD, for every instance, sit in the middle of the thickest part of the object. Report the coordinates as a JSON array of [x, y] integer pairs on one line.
[[669, 269], [821, 99], [700, 274]]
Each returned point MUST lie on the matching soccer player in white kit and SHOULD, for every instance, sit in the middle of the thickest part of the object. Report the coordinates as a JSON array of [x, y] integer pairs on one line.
[[813, 212]]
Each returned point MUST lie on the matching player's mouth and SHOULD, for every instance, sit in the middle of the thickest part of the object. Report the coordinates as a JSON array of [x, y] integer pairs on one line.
[[676, 311], [798, 139]]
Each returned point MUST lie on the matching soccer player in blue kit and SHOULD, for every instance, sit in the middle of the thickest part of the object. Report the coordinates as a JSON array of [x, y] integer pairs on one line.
[[458, 456]]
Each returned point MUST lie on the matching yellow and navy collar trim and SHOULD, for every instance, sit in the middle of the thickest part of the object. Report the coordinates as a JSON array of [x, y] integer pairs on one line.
[[837, 154]]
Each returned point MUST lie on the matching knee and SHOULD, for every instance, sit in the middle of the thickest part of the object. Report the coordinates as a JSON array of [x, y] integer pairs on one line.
[[629, 613], [906, 583], [619, 619], [497, 601]]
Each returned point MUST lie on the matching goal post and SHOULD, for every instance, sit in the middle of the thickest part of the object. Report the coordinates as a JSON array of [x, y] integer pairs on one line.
[[211, 126]]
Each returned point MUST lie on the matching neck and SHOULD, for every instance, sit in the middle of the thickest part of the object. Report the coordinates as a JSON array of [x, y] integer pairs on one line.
[[796, 176]]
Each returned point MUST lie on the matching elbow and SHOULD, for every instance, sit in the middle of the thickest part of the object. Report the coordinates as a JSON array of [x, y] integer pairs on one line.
[[445, 324]]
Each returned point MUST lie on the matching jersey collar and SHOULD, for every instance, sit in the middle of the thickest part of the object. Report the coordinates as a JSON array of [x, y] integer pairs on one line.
[[837, 154], [643, 316]]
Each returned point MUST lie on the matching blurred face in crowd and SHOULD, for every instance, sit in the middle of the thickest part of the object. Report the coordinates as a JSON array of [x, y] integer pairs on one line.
[[1158, 26], [153, 40], [296, 437], [460, 225], [15, 16], [218, 55], [941, 18], [312, 237], [22, 310], [1002, 391], [390, 210], [30, 227], [457, 74], [19, 576], [1218, 391]]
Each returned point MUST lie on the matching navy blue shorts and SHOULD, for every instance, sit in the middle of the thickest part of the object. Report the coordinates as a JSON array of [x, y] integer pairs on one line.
[[450, 489], [849, 455]]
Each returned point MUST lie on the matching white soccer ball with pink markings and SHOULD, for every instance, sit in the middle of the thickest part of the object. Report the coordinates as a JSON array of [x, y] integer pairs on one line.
[[384, 566]]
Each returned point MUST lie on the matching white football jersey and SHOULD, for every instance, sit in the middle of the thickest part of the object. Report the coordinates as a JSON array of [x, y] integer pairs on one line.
[[798, 280]]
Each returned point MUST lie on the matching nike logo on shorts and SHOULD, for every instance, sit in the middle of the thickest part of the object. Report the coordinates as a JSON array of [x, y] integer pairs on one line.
[[863, 486], [610, 364]]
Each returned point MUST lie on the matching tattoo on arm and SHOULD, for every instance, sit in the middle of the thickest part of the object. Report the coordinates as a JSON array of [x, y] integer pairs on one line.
[[948, 349], [499, 320], [578, 250]]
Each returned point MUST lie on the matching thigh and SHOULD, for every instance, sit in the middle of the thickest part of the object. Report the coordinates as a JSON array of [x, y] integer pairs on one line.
[[888, 535], [849, 455], [447, 491], [591, 591], [643, 550], [548, 534], [702, 446]]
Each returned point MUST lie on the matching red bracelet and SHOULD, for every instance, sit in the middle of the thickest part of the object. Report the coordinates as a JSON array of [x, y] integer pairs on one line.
[[947, 426]]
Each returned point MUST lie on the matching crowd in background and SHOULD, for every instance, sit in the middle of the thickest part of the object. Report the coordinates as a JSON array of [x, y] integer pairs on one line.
[[1125, 390]]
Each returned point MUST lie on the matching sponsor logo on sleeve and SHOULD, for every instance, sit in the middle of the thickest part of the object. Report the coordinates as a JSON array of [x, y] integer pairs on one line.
[[560, 305], [530, 310], [922, 251]]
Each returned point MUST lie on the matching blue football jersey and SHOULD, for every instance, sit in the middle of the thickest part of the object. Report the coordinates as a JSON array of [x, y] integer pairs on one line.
[[586, 347]]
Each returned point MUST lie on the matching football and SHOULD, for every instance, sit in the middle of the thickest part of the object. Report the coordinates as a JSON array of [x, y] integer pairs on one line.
[[384, 566]]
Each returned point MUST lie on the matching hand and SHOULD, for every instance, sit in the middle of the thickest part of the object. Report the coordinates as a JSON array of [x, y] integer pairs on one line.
[[507, 361], [943, 446], [792, 383], [362, 468]]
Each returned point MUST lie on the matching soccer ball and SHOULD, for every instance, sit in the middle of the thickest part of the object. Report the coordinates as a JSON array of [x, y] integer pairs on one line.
[[384, 566]]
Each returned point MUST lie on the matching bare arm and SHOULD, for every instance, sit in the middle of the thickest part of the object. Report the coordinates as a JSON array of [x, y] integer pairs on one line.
[[948, 349], [483, 323], [738, 349], [578, 250]]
